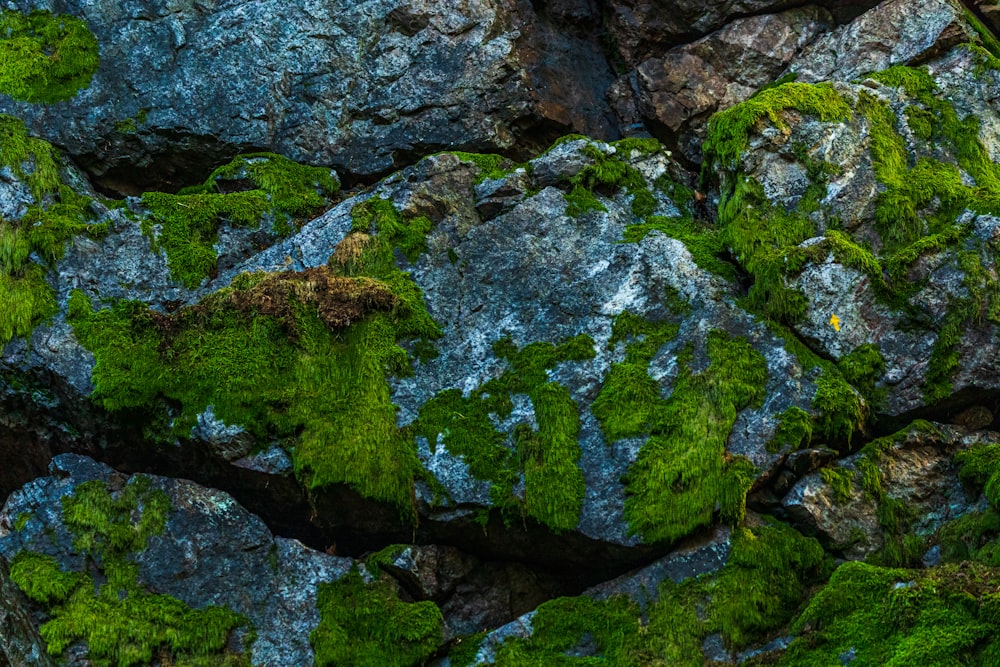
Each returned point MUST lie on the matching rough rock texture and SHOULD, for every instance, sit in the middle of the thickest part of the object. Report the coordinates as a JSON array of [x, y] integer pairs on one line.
[[917, 471], [213, 552], [19, 640], [361, 86], [682, 88], [892, 33]]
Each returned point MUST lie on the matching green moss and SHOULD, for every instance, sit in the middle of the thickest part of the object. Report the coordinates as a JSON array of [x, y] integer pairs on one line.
[[701, 240], [863, 367], [607, 174], [464, 650], [188, 223], [945, 359], [44, 57], [729, 130], [297, 356], [21, 521], [842, 409], [367, 625], [122, 623], [840, 480], [989, 40], [975, 537], [895, 617], [629, 399], [131, 125], [548, 457], [756, 592], [491, 166], [680, 473], [794, 430], [980, 467]]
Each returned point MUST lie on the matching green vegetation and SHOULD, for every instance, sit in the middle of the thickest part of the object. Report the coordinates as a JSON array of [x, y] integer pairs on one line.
[[794, 430], [840, 480], [44, 57], [701, 240], [681, 472], [607, 174], [367, 625], [893, 617], [729, 130], [122, 623], [188, 222], [302, 356], [491, 166], [548, 457], [863, 367], [758, 590], [57, 215]]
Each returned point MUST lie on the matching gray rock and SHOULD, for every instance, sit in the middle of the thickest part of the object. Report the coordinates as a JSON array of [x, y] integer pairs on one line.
[[19, 640], [896, 32], [213, 552], [363, 86], [917, 470]]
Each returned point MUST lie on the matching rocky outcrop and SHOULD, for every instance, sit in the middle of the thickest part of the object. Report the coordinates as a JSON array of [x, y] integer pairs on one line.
[[19, 640], [361, 87], [907, 484]]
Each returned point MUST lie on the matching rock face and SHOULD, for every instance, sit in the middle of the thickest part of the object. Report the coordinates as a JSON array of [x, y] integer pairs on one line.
[[211, 552], [19, 640], [569, 403], [360, 86]]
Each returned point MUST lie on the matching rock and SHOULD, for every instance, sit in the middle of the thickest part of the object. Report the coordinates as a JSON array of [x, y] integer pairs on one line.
[[682, 88], [365, 88], [19, 640], [212, 552], [896, 32], [912, 471]]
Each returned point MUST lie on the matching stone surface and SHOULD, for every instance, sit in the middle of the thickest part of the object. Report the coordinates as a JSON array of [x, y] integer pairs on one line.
[[19, 640], [917, 470], [363, 86], [213, 552]]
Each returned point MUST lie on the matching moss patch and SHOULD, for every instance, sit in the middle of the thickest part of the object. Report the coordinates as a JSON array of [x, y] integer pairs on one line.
[[367, 625], [681, 472], [303, 357], [45, 57], [57, 215], [122, 623], [757, 591], [242, 193], [883, 616], [548, 455]]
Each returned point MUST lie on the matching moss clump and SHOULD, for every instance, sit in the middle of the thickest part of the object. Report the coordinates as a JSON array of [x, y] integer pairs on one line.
[[491, 166], [297, 356], [842, 409], [607, 174], [681, 472], [548, 457], [729, 130], [882, 616], [794, 430], [757, 591], [57, 215], [122, 623], [863, 367], [840, 480], [44, 57], [188, 222], [367, 625], [702, 241]]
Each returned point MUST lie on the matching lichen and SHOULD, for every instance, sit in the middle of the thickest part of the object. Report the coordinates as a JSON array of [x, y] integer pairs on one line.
[[122, 623], [186, 224], [44, 57], [368, 625]]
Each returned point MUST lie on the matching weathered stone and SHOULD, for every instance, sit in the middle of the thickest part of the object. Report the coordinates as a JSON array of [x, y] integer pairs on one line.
[[896, 32], [361, 86], [19, 640], [917, 471]]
